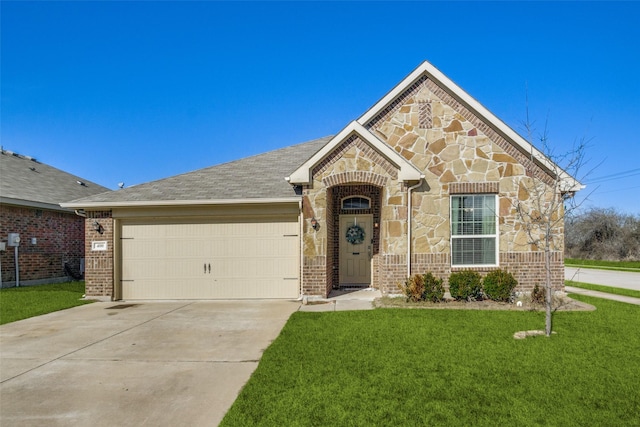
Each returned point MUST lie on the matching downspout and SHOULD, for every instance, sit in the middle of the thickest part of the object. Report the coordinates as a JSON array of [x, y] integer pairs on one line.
[[15, 256], [301, 245], [409, 190]]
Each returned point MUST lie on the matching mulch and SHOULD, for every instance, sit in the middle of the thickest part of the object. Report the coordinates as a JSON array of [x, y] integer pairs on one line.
[[563, 303]]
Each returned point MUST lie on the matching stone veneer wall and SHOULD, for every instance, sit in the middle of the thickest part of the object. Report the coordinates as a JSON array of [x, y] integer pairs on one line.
[[461, 154], [354, 168], [99, 264], [59, 240]]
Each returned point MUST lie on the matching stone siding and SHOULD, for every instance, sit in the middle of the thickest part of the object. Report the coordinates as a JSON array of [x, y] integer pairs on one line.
[[59, 240], [354, 168], [459, 154]]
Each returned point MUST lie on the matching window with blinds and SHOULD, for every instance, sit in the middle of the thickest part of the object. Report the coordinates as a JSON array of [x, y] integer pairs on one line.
[[474, 230]]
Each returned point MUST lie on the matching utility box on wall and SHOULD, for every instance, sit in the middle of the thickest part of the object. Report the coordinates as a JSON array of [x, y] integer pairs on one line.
[[14, 239]]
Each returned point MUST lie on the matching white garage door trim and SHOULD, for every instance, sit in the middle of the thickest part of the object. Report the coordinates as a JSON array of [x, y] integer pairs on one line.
[[241, 258]]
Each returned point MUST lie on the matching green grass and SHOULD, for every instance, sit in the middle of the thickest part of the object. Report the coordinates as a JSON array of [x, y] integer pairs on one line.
[[633, 266], [28, 301], [607, 289], [418, 367]]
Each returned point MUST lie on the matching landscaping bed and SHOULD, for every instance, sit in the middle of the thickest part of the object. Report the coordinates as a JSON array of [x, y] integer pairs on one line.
[[561, 303]]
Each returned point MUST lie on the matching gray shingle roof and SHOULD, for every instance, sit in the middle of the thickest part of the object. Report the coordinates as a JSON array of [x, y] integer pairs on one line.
[[257, 177], [25, 181]]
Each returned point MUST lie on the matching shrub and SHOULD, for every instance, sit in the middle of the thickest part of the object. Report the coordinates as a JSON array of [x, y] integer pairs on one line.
[[433, 289], [465, 285], [414, 288], [498, 285], [538, 295]]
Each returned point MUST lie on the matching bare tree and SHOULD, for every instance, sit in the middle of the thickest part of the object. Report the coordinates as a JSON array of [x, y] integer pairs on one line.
[[549, 199], [603, 234]]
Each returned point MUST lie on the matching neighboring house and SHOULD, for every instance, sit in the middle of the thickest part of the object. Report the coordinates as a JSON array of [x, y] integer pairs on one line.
[[425, 180], [51, 246]]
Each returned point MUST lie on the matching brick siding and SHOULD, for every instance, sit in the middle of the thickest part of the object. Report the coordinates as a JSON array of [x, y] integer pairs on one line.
[[99, 264], [314, 276], [59, 240], [528, 268]]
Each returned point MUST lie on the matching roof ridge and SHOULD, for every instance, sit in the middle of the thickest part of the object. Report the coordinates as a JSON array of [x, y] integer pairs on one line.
[[18, 155]]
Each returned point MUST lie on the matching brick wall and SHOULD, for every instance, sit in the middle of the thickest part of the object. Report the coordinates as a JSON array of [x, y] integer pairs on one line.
[[528, 268], [59, 240], [314, 276], [99, 264], [393, 271]]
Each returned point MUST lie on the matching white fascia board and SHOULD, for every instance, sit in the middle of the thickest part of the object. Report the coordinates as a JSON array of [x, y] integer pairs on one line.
[[32, 204], [147, 203], [406, 171], [433, 73]]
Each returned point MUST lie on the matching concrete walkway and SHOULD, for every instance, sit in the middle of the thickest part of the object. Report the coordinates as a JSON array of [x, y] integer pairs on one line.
[[343, 300], [604, 295]]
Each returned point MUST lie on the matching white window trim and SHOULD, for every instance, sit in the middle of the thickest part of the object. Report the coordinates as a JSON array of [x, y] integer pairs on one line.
[[353, 197], [496, 235]]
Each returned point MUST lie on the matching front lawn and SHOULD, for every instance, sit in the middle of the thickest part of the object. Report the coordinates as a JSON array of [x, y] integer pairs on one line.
[[448, 367], [28, 301]]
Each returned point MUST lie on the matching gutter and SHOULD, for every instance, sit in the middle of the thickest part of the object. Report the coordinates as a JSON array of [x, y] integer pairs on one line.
[[109, 205], [409, 190]]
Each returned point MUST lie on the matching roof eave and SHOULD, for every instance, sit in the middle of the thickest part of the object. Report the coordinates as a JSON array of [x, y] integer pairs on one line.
[[33, 204], [160, 203]]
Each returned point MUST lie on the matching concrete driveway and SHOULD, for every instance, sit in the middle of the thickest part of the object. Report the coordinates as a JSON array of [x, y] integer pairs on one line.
[[143, 364]]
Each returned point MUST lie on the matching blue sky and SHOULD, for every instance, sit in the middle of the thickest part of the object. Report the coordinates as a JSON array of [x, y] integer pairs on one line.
[[137, 91]]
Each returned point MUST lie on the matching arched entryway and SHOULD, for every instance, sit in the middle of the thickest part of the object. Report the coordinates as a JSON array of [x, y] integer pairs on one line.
[[353, 235]]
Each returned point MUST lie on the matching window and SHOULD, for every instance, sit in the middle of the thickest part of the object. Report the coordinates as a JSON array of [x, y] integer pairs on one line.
[[356, 202], [474, 231]]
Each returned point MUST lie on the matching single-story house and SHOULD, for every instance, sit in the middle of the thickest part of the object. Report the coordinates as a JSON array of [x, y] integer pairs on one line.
[[427, 179], [49, 239]]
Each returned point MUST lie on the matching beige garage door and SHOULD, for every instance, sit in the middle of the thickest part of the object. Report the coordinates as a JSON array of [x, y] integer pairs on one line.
[[200, 260]]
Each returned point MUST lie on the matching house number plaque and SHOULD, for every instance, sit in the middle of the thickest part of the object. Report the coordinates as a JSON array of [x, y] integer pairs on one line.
[[99, 246]]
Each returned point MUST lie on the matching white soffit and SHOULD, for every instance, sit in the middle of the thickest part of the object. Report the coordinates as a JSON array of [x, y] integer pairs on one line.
[[406, 171], [443, 81]]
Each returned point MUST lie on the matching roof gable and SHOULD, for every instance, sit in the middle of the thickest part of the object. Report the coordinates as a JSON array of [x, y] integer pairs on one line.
[[406, 171], [427, 71]]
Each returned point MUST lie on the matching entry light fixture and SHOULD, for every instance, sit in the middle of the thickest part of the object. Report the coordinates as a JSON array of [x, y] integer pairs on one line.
[[314, 224], [97, 227]]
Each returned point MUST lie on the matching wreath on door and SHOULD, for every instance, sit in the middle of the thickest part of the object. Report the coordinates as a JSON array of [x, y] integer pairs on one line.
[[355, 235]]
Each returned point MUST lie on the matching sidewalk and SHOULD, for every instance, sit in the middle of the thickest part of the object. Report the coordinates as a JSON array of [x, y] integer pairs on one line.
[[604, 295], [342, 300]]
